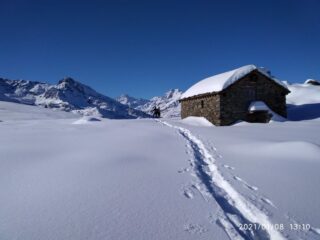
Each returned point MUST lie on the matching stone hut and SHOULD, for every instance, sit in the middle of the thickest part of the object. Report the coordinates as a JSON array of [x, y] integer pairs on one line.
[[247, 93]]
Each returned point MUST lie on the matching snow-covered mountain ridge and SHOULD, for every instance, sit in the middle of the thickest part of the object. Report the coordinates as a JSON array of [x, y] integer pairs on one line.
[[72, 96], [131, 101], [168, 103], [67, 95]]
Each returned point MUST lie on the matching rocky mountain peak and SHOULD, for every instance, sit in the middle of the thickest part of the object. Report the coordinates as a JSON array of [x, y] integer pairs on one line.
[[67, 95], [173, 93]]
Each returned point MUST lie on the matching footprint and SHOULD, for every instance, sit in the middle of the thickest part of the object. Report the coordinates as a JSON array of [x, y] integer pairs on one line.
[[187, 192], [183, 170], [268, 201], [245, 183], [212, 148], [195, 229], [228, 167], [202, 192]]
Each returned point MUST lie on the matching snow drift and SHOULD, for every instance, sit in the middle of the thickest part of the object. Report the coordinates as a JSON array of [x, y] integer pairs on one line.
[[86, 120], [303, 102], [197, 121]]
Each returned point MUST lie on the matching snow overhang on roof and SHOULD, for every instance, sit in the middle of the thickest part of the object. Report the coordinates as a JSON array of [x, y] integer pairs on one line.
[[219, 82]]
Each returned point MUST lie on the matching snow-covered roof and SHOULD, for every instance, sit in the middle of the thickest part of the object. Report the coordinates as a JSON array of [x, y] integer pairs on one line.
[[221, 81], [312, 82], [258, 106]]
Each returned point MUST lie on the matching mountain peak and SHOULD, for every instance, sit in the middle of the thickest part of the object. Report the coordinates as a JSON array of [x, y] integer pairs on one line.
[[131, 101], [173, 92], [168, 103], [123, 96], [68, 80], [67, 95], [70, 84]]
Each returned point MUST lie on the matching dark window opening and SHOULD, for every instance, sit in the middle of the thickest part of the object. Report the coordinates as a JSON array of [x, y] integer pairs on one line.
[[224, 94], [253, 78], [202, 104]]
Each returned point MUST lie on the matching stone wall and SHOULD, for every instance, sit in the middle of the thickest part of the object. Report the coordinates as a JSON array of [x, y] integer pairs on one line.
[[273, 95], [236, 99], [207, 106]]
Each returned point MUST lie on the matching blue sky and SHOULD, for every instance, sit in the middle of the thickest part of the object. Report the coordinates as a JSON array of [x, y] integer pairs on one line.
[[147, 47]]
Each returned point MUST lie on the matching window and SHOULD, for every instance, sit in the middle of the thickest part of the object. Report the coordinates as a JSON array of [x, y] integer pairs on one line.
[[254, 78], [202, 104]]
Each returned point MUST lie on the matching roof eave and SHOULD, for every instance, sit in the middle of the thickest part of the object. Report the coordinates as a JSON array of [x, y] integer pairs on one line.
[[199, 96]]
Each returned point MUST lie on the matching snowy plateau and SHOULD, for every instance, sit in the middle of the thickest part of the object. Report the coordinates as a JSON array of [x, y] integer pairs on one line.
[[75, 164]]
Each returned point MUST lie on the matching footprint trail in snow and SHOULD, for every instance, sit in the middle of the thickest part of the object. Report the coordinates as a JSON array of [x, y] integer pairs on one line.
[[237, 210]]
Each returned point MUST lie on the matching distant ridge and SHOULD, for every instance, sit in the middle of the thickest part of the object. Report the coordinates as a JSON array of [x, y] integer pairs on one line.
[[168, 103], [68, 95]]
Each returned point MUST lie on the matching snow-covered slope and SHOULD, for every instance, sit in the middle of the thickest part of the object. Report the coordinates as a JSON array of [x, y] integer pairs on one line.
[[303, 102], [131, 101], [99, 179], [67, 95], [303, 94], [19, 112]]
